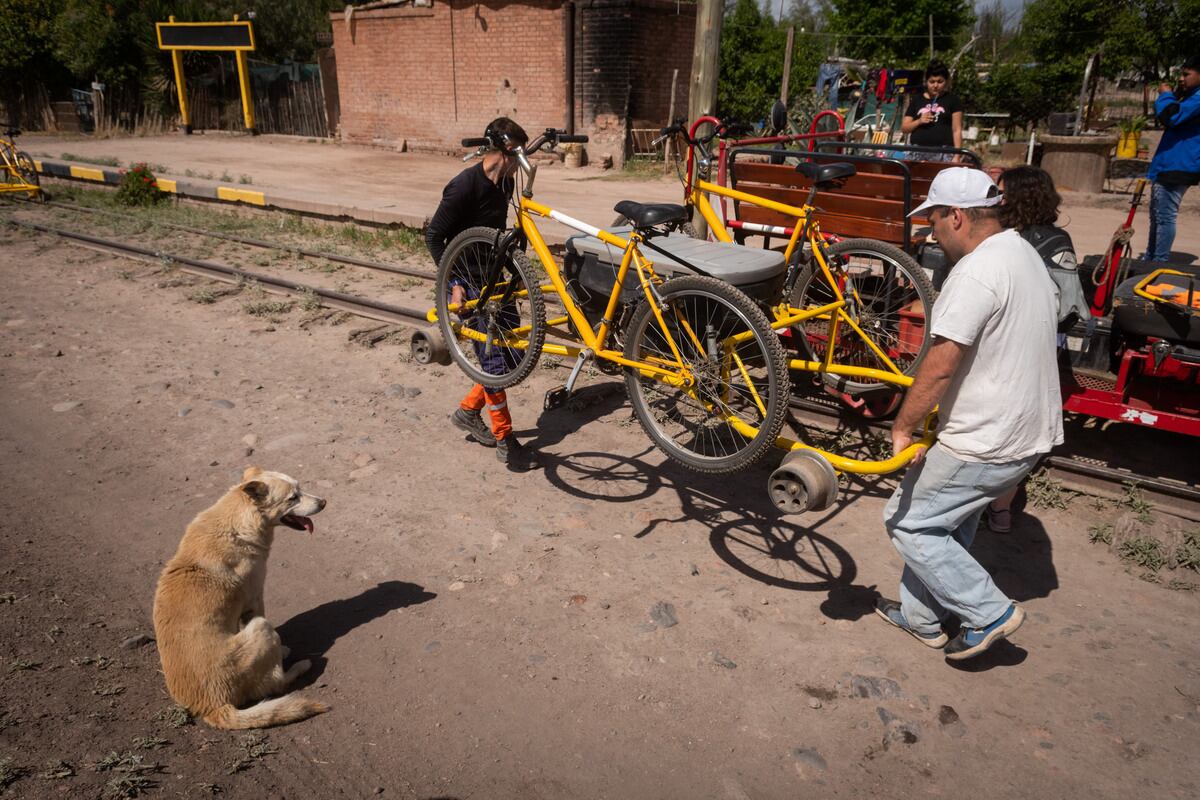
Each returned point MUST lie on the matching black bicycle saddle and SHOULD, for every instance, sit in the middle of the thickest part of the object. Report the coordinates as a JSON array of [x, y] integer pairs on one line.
[[647, 215]]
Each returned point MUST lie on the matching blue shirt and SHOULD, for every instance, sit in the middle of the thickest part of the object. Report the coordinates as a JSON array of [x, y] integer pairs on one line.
[[1177, 159]]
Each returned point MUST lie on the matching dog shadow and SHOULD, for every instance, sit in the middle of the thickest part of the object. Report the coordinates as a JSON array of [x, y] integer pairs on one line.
[[311, 633]]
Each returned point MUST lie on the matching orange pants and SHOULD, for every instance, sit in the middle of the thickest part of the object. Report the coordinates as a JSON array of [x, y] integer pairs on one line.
[[497, 406]]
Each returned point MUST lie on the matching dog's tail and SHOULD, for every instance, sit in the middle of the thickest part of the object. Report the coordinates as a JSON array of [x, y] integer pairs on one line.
[[277, 711]]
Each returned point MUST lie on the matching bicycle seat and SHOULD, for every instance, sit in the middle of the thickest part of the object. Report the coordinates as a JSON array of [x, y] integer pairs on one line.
[[825, 173], [11, 132], [647, 215]]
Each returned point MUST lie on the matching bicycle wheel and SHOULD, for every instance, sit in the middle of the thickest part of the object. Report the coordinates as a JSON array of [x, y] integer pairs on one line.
[[498, 343], [26, 168], [734, 409], [8, 164], [891, 302]]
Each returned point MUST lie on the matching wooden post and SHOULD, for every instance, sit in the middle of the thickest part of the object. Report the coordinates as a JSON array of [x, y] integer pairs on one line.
[[670, 143], [931, 37], [702, 93], [787, 64]]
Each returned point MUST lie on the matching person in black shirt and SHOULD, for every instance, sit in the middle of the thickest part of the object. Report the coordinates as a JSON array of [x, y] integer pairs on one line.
[[934, 117], [480, 195]]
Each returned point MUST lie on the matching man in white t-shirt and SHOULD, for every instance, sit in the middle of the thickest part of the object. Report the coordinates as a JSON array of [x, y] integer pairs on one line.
[[992, 372]]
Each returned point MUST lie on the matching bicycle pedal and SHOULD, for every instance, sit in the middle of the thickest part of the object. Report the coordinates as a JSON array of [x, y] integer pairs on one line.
[[556, 398]]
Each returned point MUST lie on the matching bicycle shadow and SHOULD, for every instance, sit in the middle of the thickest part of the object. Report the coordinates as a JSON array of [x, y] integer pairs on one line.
[[746, 531], [311, 633], [587, 404]]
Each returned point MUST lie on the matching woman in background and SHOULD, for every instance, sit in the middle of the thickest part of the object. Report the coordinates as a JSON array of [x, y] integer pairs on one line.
[[1031, 207]]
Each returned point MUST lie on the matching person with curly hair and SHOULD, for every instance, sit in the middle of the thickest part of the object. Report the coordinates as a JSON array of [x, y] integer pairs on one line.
[[1031, 206]]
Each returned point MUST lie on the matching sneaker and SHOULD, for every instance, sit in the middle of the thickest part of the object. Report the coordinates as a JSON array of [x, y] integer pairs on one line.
[[890, 610], [517, 456], [999, 521], [472, 422], [971, 642]]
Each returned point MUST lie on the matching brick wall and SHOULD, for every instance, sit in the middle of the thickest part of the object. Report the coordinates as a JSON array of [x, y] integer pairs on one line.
[[427, 77]]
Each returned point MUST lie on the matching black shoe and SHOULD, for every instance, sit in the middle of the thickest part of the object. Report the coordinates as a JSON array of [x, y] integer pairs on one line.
[[517, 456], [472, 422]]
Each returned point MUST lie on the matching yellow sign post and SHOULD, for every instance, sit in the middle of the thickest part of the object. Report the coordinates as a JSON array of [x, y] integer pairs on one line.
[[236, 37]]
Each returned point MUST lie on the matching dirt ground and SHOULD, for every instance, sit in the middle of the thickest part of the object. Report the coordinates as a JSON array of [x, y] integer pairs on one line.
[[486, 634], [410, 184]]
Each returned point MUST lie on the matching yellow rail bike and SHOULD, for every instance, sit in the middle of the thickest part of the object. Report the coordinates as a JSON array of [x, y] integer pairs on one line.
[[18, 173], [706, 375], [877, 336]]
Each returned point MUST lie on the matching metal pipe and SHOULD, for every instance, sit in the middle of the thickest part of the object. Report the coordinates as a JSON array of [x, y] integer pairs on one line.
[[569, 64]]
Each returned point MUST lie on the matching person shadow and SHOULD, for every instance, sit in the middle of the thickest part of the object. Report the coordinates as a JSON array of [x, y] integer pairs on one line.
[[311, 633], [1021, 563]]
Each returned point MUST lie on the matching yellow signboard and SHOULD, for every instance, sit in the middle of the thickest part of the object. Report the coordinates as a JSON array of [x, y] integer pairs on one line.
[[234, 36]]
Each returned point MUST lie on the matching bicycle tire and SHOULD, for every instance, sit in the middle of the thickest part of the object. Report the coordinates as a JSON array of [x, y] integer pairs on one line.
[[27, 169], [707, 441], [880, 316], [466, 259], [686, 228], [8, 163]]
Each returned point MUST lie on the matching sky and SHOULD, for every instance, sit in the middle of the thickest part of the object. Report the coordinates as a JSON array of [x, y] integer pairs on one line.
[[1011, 7]]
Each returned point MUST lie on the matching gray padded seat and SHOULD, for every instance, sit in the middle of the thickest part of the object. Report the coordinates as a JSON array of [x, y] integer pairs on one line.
[[735, 264]]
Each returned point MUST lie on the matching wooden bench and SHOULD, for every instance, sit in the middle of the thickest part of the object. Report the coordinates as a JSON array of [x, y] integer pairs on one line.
[[874, 203]]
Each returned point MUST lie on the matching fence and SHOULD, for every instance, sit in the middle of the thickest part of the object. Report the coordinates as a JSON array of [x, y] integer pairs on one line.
[[288, 99]]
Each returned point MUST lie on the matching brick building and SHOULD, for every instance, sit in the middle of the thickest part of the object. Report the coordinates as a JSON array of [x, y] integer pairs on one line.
[[427, 76]]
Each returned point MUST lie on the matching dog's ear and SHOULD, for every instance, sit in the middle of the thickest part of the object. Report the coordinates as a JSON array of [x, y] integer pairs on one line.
[[256, 491], [251, 473]]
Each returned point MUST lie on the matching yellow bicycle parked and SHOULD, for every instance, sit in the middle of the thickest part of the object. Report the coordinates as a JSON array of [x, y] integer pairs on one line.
[[18, 173], [706, 375]]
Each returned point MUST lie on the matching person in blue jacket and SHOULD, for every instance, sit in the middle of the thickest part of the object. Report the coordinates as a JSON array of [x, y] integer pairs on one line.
[[1176, 164]]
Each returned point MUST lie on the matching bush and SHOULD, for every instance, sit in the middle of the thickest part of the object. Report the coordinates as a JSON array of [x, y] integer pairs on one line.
[[139, 187]]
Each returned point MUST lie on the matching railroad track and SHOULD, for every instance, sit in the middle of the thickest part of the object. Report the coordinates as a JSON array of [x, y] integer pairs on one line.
[[1090, 470], [1085, 468]]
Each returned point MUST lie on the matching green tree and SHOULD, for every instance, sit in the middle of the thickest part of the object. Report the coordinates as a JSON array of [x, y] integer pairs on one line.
[[751, 62], [895, 32], [24, 33]]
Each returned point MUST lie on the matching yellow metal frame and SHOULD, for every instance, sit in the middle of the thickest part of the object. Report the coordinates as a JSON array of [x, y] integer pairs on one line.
[[14, 182], [1140, 289], [677, 374], [785, 315], [238, 51]]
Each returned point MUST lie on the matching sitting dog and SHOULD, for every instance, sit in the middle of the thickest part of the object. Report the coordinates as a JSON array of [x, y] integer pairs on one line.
[[218, 651]]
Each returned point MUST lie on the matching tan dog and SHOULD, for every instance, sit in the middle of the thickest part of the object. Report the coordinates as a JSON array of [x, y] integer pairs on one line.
[[218, 651]]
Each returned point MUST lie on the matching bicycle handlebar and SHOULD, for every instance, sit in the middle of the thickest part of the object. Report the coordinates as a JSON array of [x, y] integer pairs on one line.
[[720, 131], [551, 136]]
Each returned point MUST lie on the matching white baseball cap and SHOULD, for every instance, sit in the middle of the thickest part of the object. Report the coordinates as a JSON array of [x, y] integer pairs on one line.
[[960, 187]]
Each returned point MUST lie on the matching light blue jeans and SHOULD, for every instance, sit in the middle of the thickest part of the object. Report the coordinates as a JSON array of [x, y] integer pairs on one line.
[[932, 518], [1164, 209]]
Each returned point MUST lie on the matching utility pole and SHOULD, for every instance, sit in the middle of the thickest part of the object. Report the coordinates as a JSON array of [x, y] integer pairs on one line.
[[702, 93], [787, 64]]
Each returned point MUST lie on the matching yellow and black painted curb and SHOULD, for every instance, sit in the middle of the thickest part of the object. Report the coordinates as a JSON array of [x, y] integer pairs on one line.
[[229, 194]]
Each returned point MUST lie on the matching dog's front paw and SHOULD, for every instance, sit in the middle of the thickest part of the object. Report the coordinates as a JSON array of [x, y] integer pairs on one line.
[[300, 667]]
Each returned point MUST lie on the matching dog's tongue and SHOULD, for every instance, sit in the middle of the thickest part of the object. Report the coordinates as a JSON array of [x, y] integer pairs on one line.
[[298, 522]]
